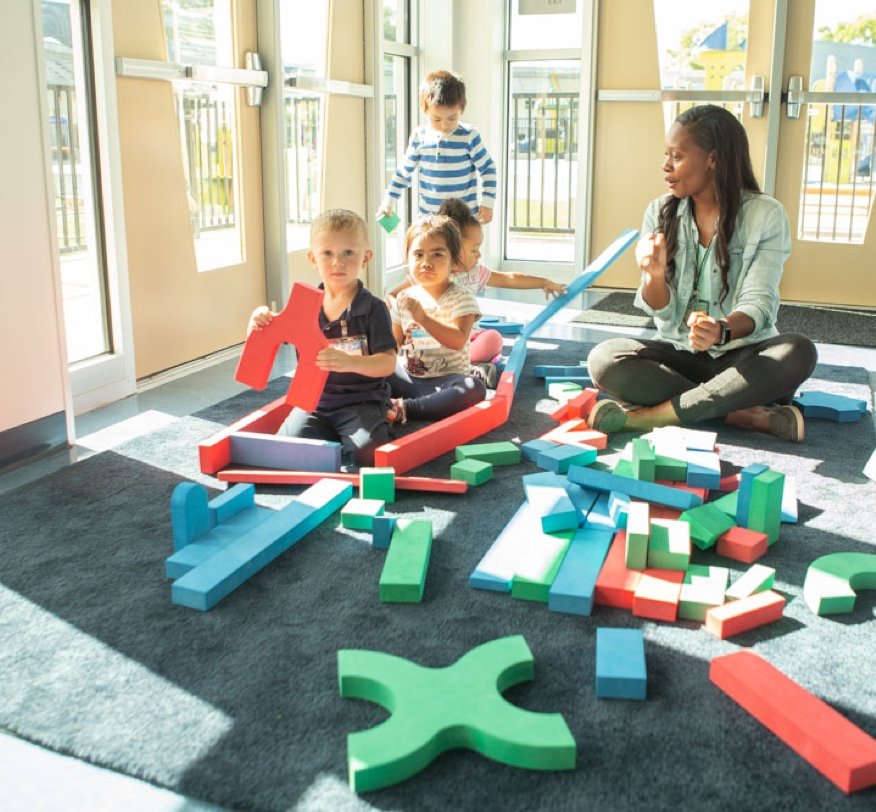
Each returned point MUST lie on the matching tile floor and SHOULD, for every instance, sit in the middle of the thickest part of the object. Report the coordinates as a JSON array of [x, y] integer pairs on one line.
[[36, 779]]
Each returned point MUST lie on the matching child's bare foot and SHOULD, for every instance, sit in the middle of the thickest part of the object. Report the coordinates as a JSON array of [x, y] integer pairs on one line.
[[397, 412]]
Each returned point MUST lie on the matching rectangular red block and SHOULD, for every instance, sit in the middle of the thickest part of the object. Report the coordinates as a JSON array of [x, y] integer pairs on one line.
[[657, 594], [616, 585], [438, 438], [838, 749], [581, 405], [576, 432], [742, 544], [743, 615]]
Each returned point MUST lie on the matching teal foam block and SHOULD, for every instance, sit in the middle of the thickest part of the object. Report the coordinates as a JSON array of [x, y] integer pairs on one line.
[[559, 458], [546, 492], [583, 499], [827, 406], [618, 508], [381, 531], [573, 588], [703, 470], [599, 516], [515, 361], [559, 372], [590, 477], [620, 664], [532, 448], [584, 280], [743, 492], [580, 379], [205, 585], [507, 328]]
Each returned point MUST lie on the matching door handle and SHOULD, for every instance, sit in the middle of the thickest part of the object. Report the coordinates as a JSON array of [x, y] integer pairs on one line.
[[795, 97]]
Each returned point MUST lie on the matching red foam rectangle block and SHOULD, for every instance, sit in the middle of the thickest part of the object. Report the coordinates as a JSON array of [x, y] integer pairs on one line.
[[615, 584], [657, 594], [576, 432], [581, 405], [838, 749], [729, 483], [424, 445], [743, 615], [268, 476], [742, 544]]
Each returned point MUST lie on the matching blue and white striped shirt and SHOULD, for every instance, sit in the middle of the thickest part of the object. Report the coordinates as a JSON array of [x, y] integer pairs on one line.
[[449, 167]]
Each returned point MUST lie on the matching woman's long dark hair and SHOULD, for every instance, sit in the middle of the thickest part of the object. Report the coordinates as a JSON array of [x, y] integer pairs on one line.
[[716, 131]]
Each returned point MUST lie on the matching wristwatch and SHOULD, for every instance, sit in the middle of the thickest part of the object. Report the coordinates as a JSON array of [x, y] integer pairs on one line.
[[724, 336]]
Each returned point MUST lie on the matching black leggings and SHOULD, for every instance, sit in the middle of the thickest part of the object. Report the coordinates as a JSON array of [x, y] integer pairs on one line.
[[645, 372]]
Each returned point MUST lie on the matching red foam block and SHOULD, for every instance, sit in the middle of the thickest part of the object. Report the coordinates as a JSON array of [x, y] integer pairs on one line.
[[838, 749], [742, 544], [268, 476], [743, 615], [615, 584]]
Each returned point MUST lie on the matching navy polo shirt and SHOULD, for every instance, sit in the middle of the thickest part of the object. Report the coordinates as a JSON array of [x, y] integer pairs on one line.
[[368, 317]]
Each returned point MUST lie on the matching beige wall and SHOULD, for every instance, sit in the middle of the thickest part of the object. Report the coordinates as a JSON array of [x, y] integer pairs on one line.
[[32, 362]]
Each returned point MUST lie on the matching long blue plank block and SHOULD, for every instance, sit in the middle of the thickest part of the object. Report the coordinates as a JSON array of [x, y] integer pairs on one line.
[[583, 281], [515, 361], [203, 587], [621, 672], [555, 371], [646, 491], [573, 588]]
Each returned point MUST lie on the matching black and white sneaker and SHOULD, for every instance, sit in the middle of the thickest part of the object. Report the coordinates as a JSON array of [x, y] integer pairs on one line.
[[487, 373]]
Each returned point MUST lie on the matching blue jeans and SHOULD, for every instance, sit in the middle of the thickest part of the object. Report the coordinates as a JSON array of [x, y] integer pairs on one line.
[[646, 372]]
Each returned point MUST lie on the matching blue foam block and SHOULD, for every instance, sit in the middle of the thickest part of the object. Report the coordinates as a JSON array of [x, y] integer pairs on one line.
[[587, 277], [638, 489], [515, 361], [620, 664], [573, 588], [381, 531], [743, 492], [582, 498], [558, 458], [551, 371], [532, 448], [618, 507], [205, 585], [599, 516], [703, 470], [507, 328], [546, 492], [827, 406]]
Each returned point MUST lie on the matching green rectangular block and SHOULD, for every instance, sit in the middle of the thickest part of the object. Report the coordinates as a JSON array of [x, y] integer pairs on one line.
[[475, 472], [707, 522], [403, 578], [700, 573], [535, 575], [501, 453], [643, 460], [669, 469], [377, 483], [623, 468], [638, 530], [697, 598], [669, 544], [358, 514]]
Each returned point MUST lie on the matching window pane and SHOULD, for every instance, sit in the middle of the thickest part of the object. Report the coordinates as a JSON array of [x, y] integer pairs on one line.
[[701, 46], [304, 38], [542, 161], [396, 82], [535, 30], [68, 86], [840, 148], [396, 25], [198, 32]]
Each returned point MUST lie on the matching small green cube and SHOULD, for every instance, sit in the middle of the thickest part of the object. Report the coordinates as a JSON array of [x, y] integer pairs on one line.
[[475, 472]]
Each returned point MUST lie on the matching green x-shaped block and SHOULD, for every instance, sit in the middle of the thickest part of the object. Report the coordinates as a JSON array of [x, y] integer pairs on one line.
[[438, 709]]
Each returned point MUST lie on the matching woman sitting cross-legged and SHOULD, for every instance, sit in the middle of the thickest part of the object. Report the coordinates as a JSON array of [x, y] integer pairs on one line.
[[711, 255]]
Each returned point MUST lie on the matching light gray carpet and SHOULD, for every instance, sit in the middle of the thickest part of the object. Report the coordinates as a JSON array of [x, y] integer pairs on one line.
[[825, 325], [240, 706]]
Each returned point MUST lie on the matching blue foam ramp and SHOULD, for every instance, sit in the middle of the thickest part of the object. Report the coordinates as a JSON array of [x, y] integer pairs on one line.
[[573, 588], [580, 283], [204, 586], [620, 664], [645, 491]]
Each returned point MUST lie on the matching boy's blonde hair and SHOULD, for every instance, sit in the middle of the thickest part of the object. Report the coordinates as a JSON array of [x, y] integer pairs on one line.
[[437, 225], [334, 220], [441, 88]]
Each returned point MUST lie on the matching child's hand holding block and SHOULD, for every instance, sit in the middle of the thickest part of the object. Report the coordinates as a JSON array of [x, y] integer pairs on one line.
[[388, 222]]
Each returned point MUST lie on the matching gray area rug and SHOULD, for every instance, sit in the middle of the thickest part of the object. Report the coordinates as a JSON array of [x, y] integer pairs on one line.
[[825, 325], [239, 706]]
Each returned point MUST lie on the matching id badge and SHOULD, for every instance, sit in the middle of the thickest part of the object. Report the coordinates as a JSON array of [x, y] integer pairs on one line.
[[696, 305], [352, 345], [422, 339]]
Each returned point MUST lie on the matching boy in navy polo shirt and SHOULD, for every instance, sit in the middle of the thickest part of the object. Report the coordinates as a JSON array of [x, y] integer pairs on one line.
[[361, 352]]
